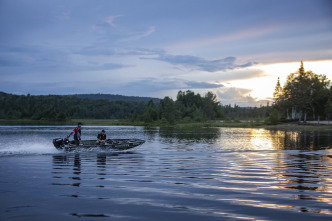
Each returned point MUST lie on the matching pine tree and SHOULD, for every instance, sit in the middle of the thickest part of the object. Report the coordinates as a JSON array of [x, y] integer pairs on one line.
[[301, 69], [303, 92], [278, 90]]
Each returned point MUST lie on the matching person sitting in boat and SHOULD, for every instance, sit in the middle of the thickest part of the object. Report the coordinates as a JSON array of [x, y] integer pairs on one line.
[[101, 138], [77, 134]]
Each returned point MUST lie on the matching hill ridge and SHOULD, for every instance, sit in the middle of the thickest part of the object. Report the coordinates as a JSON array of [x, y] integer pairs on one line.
[[116, 97]]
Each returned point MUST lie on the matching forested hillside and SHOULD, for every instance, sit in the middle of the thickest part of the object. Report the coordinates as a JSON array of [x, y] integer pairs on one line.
[[117, 97], [58, 107], [188, 107]]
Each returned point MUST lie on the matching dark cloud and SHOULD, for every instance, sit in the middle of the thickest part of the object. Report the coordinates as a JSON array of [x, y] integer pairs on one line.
[[198, 63], [12, 61], [104, 67], [202, 85], [43, 58], [182, 61], [156, 84], [17, 56]]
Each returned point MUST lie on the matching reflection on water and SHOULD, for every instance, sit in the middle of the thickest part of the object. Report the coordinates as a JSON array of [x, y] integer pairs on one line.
[[196, 134], [301, 140], [304, 171], [196, 174], [290, 140], [295, 181], [309, 174]]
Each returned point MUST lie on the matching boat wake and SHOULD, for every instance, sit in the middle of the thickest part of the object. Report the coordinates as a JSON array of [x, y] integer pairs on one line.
[[28, 148], [45, 147]]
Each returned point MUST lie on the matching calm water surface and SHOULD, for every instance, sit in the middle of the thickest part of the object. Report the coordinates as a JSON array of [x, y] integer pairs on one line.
[[207, 174]]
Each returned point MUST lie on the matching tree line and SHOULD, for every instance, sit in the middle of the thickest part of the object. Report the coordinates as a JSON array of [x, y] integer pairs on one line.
[[62, 107], [188, 107], [304, 96]]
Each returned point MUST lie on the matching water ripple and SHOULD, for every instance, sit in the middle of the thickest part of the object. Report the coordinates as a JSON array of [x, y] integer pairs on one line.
[[173, 178]]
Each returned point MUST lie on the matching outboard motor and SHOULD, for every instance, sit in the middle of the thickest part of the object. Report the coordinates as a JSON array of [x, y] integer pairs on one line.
[[58, 142]]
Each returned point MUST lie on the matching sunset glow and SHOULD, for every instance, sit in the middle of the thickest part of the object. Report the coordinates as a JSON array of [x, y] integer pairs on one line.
[[262, 88]]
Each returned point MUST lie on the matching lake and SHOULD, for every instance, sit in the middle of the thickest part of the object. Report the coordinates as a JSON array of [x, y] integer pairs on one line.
[[192, 174]]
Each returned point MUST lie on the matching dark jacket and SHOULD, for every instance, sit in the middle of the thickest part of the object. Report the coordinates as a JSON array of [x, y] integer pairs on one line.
[[101, 136]]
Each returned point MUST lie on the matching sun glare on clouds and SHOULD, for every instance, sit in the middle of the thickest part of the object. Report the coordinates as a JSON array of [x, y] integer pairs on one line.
[[262, 88]]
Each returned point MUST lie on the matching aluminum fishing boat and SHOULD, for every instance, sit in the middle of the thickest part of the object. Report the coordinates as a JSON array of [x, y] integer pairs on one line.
[[116, 144]]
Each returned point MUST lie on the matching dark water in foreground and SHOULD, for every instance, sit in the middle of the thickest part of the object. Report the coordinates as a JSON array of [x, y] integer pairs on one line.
[[210, 174]]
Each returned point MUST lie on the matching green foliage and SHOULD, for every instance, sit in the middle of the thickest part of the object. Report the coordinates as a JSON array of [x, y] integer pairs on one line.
[[168, 110], [190, 108], [61, 108], [278, 90], [304, 92], [151, 113], [274, 118], [61, 117]]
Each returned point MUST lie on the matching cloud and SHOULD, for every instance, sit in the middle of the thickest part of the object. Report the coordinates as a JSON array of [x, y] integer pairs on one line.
[[47, 59], [105, 66], [107, 25], [14, 60], [233, 95], [159, 84], [134, 36], [61, 13], [202, 85], [110, 32], [240, 74], [110, 20], [236, 35], [238, 96], [104, 50], [197, 63], [157, 87], [33, 57]]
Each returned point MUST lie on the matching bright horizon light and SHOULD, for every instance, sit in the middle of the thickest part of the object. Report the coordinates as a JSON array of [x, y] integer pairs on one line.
[[262, 88]]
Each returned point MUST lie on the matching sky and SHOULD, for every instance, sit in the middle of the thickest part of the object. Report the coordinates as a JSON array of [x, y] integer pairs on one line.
[[236, 49]]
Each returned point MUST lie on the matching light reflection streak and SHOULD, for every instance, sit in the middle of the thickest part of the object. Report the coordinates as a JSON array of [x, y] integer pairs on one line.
[[260, 140], [306, 172], [261, 204]]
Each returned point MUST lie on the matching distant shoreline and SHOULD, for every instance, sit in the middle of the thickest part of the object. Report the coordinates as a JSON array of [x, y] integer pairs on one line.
[[293, 126], [308, 126]]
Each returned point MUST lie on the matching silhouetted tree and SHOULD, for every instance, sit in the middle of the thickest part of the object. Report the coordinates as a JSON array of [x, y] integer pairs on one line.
[[303, 93]]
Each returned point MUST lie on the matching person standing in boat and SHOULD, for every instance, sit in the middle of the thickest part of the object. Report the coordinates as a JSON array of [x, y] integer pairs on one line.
[[101, 138], [77, 134]]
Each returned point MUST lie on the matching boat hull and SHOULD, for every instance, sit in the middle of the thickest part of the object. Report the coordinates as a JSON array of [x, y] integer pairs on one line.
[[115, 144]]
